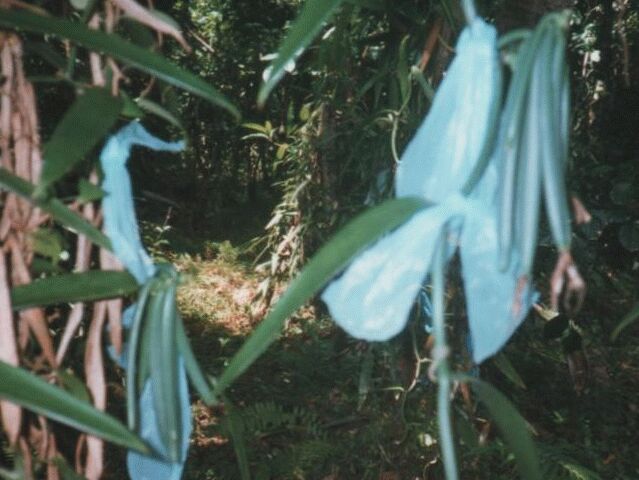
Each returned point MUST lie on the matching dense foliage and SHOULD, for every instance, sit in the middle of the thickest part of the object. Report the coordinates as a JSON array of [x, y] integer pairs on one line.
[[322, 147]]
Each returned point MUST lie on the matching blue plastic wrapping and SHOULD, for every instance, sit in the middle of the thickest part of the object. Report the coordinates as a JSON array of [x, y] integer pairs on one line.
[[121, 226], [373, 297]]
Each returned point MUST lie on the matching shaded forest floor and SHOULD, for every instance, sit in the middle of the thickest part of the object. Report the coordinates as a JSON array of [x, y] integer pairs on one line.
[[320, 405]]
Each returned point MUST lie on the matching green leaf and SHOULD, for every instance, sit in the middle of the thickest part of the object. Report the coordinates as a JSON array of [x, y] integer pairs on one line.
[[502, 362], [332, 258], [235, 426], [73, 287], [88, 192], [78, 133], [281, 151], [47, 53], [512, 425], [159, 111], [47, 243], [370, 4], [132, 384], [33, 393], [130, 109], [552, 143], [306, 26], [630, 318], [55, 207], [193, 369], [161, 318], [118, 48], [73, 385], [65, 471], [137, 33]]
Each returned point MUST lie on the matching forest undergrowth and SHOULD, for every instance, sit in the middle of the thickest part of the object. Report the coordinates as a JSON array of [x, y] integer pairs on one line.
[[321, 405]]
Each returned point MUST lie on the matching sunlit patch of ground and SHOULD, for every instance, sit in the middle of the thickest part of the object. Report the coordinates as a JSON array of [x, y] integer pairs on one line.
[[217, 292]]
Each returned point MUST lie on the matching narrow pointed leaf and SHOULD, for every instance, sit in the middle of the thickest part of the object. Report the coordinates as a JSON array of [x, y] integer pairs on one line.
[[502, 362], [60, 212], [163, 358], [512, 425], [35, 394], [118, 48], [630, 318], [528, 175], [195, 373], [73, 287], [159, 111], [132, 357], [554, 158], [306, 26], [509, 142], [332, 258], [78, 133], [235, 426]]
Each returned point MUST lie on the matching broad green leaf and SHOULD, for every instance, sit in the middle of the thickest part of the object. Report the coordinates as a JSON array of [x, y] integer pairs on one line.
[[73, 287], [332, 258], [306, 26], [33, 393], [512, 425], [58, 210], [630, 318], [118, 48], [78, 133], [159, 111]]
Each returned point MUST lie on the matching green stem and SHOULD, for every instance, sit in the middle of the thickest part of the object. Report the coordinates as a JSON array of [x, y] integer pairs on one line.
[[440, 357], [514, 36], [470, 12]]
